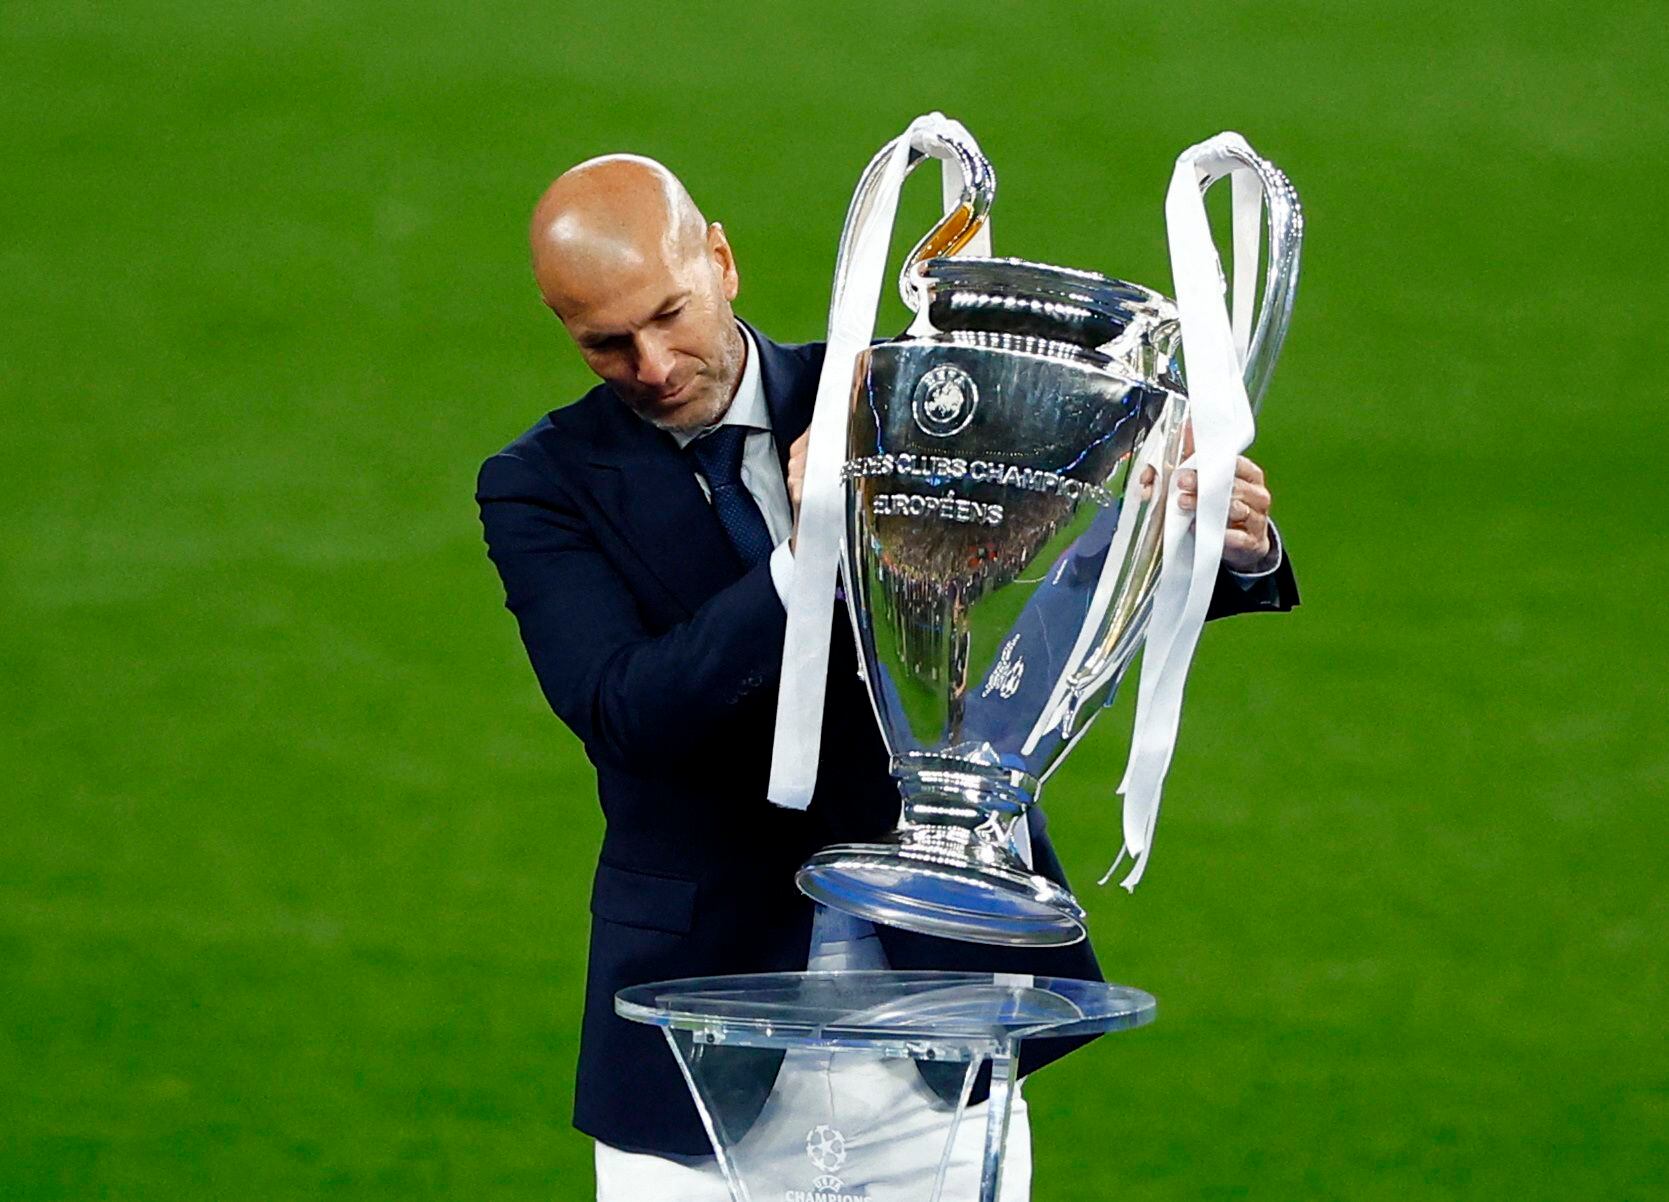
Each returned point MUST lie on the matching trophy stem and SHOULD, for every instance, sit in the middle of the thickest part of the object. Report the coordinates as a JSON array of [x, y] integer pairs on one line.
[[960, 792], [950, 869]]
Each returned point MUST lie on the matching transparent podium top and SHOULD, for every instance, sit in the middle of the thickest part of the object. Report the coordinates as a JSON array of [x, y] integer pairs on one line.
[[940, 1014]]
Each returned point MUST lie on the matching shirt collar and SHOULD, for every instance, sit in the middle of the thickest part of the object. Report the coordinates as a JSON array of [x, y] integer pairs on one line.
[[747, 407]]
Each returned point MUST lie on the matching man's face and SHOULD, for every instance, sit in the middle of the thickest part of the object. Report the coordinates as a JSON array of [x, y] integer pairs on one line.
[[660, 331]]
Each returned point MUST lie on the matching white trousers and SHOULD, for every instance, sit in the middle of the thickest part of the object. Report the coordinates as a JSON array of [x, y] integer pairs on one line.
[[901, 1170]]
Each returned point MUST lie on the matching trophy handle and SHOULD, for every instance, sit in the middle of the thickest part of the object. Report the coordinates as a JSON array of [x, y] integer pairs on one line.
[[964, 218], [1285, 222], [970, 185], [1119, 612]]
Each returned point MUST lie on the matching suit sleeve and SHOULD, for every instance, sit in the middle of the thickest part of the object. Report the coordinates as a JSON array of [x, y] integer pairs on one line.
[[1275, 593], [639, 699]]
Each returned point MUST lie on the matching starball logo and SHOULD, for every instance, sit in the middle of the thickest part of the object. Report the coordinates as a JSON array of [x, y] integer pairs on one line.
[[944, 401], [826, 1149]]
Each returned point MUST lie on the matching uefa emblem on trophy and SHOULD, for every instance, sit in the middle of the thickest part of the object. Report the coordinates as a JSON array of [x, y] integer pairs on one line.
[[1002, 522]]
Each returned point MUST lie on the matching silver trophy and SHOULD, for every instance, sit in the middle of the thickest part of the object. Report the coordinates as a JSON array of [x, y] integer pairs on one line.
[[1005, 471]]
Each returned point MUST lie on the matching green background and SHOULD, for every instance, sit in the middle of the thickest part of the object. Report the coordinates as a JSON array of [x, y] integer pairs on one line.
[[293, 860]]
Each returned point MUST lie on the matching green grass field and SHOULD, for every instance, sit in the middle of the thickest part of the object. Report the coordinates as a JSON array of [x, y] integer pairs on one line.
[[294, 862]]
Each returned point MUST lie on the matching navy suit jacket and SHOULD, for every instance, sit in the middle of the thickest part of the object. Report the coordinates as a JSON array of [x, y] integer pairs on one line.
[[661, 652]]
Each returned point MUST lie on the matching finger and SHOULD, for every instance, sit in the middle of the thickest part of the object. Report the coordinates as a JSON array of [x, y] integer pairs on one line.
[[1187, 440], [1242, 546], [1188, 481], [1245, 469], [1253, 496], [1244, 517], [1257, 525]]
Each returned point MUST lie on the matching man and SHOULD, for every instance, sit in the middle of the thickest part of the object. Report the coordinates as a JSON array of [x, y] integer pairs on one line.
[[645, 539]]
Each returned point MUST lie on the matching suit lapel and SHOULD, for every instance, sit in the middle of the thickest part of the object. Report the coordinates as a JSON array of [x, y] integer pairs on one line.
[[790, 391], [647, 489]]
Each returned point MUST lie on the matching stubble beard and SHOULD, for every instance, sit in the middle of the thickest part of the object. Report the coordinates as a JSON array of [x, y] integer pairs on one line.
[[727, 382]]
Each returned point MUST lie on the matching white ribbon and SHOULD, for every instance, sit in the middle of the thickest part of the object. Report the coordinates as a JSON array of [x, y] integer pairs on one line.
[[1214, 352], [852, 308]]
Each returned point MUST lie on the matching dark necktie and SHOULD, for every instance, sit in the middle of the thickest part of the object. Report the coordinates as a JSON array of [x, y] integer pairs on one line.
[[718, 456]]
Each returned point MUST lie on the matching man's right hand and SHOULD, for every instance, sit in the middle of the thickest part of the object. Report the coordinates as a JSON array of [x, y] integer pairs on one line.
[[797, 480]]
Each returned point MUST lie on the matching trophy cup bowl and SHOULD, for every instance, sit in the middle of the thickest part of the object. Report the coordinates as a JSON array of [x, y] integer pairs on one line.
[[995, 464]]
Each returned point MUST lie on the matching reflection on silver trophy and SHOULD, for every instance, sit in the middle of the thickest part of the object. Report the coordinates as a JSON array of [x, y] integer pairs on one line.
[[1005, 473]]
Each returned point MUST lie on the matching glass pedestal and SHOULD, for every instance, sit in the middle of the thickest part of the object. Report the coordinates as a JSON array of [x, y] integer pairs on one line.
[[853, 1086]]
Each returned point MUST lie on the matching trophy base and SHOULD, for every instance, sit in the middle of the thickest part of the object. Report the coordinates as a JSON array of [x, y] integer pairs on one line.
[[946, 882]]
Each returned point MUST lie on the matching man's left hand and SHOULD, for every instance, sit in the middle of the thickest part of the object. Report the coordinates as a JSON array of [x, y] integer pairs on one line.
[[1246, 544]]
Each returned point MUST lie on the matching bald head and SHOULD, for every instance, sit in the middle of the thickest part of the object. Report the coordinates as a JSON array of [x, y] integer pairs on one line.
[[618, 214], [643, 284]]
